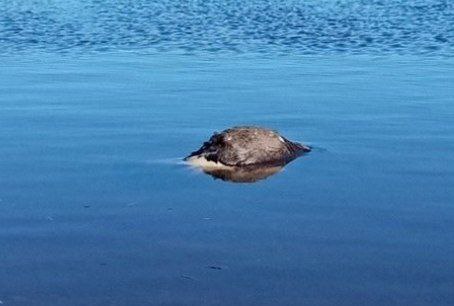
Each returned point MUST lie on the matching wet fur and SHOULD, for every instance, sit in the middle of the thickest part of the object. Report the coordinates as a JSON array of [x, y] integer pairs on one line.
[[246, 146]]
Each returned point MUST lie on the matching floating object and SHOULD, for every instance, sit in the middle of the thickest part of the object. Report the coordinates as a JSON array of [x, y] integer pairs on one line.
[[245, 154]]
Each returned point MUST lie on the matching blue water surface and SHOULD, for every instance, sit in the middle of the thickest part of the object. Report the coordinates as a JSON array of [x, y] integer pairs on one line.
[[100, 100]]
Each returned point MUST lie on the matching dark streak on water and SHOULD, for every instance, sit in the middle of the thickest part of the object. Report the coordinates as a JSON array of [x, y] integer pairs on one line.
[[97, 104]]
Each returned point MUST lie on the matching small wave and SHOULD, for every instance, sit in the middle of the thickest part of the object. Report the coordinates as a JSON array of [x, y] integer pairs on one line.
[[343, 26], [167, 161]]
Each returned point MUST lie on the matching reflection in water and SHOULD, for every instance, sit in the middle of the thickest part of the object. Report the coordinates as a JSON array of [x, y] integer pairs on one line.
[[243, 174]]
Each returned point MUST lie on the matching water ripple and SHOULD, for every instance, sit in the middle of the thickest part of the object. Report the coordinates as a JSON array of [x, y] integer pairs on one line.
[[323, 26]]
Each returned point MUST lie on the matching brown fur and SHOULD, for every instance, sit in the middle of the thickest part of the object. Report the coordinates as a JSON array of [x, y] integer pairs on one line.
[[246, 146]]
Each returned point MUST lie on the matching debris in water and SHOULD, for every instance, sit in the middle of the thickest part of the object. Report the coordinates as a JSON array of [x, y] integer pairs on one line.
[[215, 267]]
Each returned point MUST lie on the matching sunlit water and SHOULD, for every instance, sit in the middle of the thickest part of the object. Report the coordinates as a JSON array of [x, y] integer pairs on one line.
[[100, 101]]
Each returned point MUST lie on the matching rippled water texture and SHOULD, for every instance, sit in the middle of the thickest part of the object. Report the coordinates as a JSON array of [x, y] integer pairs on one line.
[[324, 26], [100, 100]]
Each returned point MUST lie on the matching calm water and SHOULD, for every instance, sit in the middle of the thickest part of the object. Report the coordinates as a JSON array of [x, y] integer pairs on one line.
[[100, 101]]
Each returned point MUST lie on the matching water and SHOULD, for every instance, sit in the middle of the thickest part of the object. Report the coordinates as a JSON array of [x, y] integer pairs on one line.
[[100, 101], [314, 26]]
